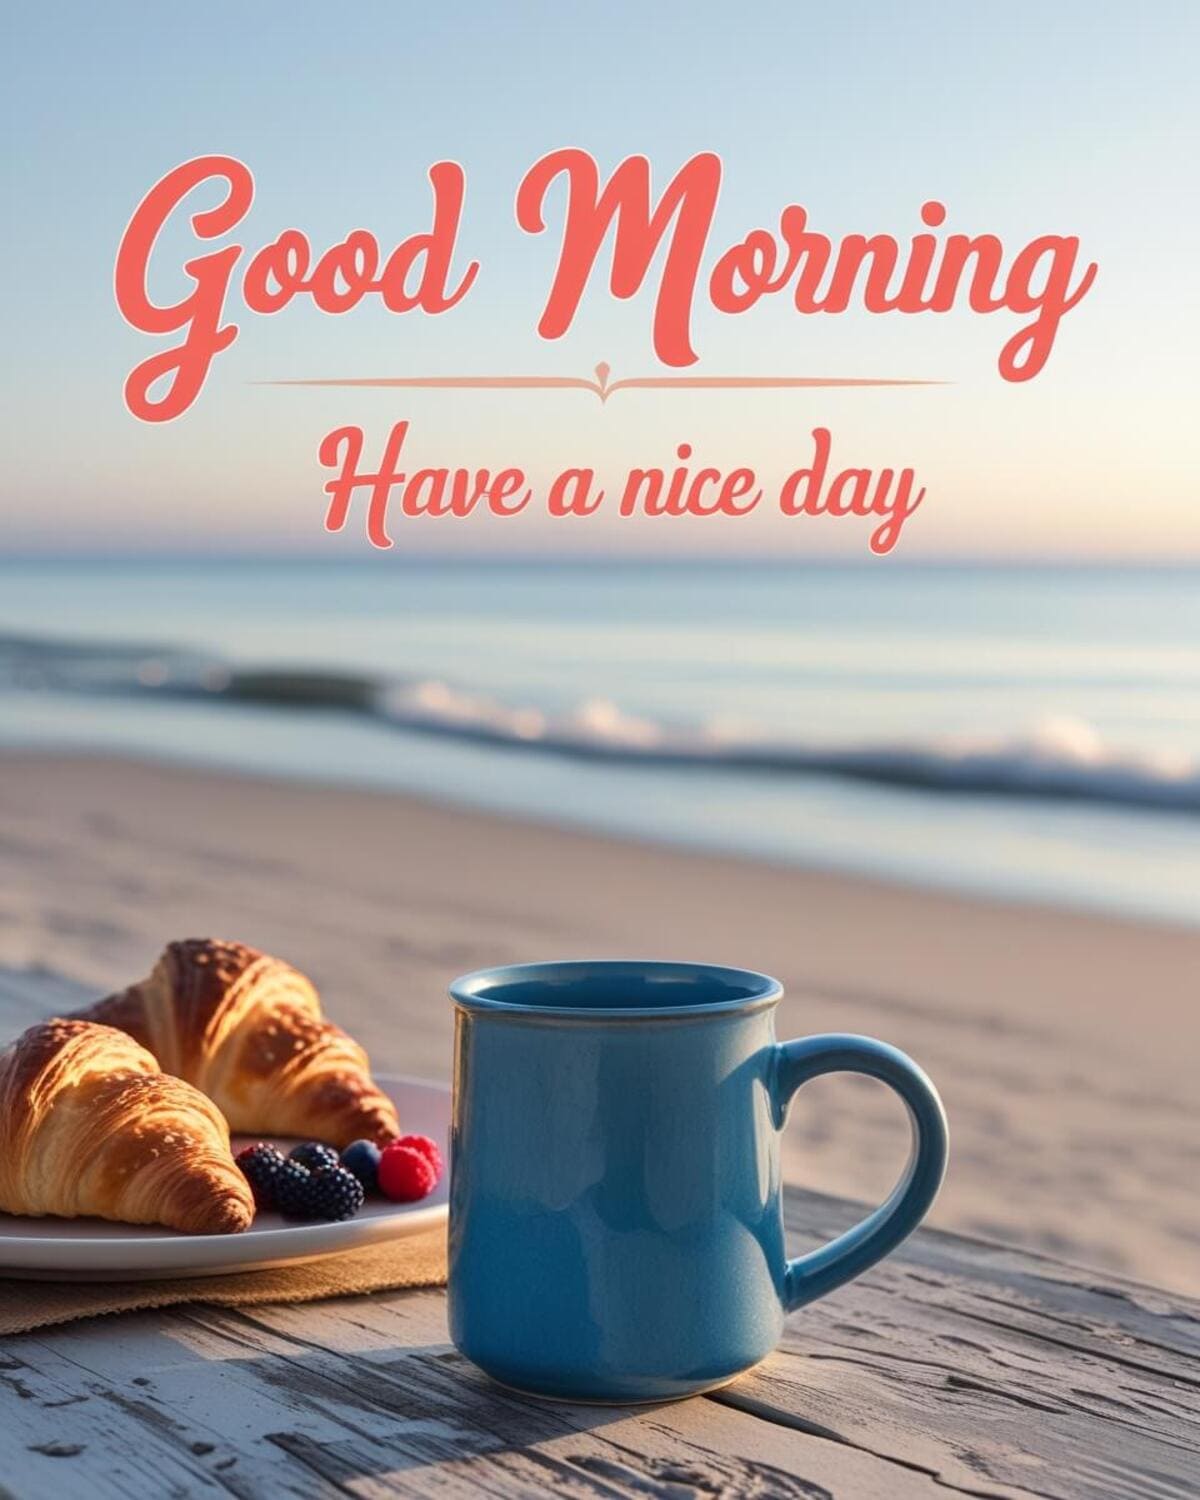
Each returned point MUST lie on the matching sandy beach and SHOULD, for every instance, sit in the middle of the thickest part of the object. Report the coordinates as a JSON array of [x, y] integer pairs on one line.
[[1065, 1044]]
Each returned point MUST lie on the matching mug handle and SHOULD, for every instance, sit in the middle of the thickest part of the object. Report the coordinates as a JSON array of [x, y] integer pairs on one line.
[[810, 1276]]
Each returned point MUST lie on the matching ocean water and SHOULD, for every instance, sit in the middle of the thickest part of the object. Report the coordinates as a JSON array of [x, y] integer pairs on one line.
[[1022, 731]]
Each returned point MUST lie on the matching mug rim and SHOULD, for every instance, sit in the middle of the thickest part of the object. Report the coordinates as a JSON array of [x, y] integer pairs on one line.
[[469, 991]]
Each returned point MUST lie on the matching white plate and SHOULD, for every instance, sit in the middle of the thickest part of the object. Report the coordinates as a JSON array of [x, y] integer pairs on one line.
[[96, 1250]]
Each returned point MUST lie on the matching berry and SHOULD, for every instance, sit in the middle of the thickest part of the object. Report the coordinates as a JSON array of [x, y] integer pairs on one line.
[[291, 1189], [260, 1165], [426, 1148], [333, 1193], [314, 1154], [362, 1159], [405, 1174]]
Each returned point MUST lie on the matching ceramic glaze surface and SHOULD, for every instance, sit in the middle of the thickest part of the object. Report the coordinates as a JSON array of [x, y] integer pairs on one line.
[[616, 1228]]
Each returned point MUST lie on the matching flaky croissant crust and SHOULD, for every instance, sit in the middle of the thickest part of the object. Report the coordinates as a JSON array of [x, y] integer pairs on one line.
[[90, 1125], [247, 1030]]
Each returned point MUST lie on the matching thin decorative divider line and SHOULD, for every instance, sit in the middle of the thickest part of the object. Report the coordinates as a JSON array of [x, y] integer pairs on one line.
[[602, 387]]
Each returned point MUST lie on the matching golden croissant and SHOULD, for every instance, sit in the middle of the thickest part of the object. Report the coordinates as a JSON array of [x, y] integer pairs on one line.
[[247, 1030], [91, 1125]]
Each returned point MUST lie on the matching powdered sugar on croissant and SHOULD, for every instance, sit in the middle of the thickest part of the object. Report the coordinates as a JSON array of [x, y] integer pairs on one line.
[[247, 1029], [90, 1125]]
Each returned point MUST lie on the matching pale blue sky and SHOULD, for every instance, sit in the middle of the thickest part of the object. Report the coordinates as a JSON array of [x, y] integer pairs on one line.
[[1024, 119]]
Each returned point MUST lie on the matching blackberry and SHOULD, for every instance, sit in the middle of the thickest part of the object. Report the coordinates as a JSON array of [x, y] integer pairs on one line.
[[291, 1189], [260, 1166], [314, 1154], [362, 1159], [333, 1193]]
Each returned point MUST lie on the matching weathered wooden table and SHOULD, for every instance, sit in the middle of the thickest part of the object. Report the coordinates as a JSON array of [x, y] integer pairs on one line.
[[956, 1366]]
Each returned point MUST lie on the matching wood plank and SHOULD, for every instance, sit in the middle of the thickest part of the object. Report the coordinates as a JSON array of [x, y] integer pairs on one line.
[[367, 1397], [993, 1369]]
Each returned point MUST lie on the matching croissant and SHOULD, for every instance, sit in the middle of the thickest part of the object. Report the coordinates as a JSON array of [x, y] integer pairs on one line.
[[91, 1125], [247, 1030]]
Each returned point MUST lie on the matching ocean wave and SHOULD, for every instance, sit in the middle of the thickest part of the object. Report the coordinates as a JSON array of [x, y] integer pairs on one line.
[[1059, 758]]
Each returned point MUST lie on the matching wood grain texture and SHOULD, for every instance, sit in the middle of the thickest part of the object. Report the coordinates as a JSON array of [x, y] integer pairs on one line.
[[957, 1367]]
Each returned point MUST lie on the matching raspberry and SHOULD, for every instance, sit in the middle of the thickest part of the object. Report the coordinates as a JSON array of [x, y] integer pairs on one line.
[[405, 1174], [426, 1148], [260, 1165], [314, 1154], [362, 1158], [291, 1189], [333, 1193]]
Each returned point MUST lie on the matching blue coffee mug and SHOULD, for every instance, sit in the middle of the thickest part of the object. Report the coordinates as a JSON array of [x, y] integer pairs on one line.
[[616, 1224]]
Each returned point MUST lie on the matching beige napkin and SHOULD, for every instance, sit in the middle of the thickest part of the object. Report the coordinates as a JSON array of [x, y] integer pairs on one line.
[[417, 1261]]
